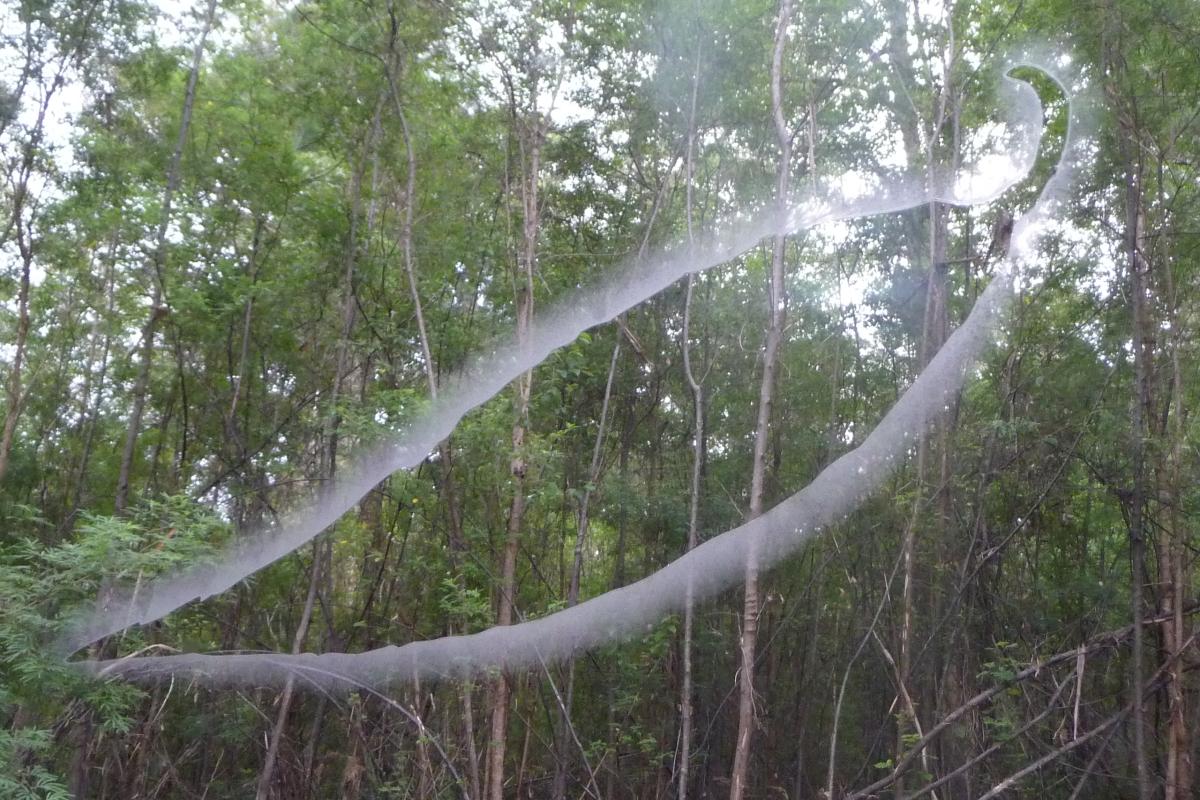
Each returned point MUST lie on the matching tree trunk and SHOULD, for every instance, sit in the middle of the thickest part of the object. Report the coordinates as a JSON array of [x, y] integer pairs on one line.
[[90, 417], [934, 330], [776, 319], [559, 786], [1142, 407], [530, 137], [447, 489], [1174, 571], [1176, 576], [266, 775], [158, 310], [328, 468], [16, 223], [15, 397], [693, 537], [238, 377]]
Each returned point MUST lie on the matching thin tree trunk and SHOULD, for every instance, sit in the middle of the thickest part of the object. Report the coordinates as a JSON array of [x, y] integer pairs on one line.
[[238, 379], [91, 413], [931, 339], [1141, 409], [1173, 563], [693, 537], [267, 774], [531, 144], [424, 765], [559, 786], [933, 334], [1175, 591], [141, 387], [15, 396], [15, 391], [322, 550], [448, 489], [777, 314], [468, 713], [686, 689]]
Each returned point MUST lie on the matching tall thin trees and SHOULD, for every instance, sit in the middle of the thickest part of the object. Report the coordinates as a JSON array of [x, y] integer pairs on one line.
[[156, 269], [53, 45]]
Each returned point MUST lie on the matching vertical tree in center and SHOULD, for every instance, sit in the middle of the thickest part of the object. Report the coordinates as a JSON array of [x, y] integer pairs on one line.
[[522, 81], [776, 318]]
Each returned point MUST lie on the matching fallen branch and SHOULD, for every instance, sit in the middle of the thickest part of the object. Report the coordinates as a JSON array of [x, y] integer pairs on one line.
[[1110, 638]]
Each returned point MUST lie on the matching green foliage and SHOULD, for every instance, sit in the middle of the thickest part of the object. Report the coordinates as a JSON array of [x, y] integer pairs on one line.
[[465, 603], [289, 342], [37, 583]]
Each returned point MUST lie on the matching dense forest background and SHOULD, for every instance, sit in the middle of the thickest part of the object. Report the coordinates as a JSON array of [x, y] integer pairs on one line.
[[241, 242]]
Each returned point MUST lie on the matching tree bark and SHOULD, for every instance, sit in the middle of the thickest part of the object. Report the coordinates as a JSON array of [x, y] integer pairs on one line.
[[563, 730], [1176, 577], [531, 133], [776, 319], [693, 537], [1141, 407], [266, 775]]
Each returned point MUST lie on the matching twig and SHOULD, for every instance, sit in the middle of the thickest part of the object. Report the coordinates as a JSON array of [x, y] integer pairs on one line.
[[1078, 680], [1108, 638]]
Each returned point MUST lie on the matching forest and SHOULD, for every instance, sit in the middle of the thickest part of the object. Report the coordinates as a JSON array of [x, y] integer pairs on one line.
[[601, 399]]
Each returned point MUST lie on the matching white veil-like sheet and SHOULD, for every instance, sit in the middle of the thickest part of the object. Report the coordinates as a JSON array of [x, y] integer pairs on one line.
[[717, 564]]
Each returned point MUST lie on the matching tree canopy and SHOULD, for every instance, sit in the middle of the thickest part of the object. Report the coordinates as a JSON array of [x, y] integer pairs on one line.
[[244, 244]]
